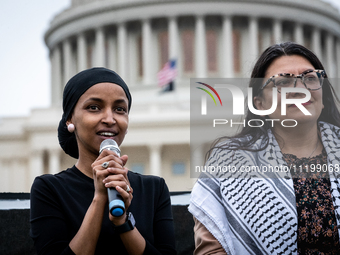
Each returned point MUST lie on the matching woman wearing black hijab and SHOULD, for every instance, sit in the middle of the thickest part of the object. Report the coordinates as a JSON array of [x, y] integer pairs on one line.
[[69, 212]]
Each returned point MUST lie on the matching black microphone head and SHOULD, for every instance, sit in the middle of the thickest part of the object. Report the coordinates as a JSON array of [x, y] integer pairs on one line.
[[111, 145]]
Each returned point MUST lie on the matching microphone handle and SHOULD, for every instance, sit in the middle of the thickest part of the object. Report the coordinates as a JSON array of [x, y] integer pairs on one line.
[[116, 203]]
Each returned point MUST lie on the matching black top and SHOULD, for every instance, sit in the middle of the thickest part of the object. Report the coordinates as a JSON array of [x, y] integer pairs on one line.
[[59, 203]]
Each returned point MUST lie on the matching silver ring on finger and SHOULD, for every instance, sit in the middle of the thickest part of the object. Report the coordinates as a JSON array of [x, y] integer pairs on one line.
[[105, 164], [128, 190]]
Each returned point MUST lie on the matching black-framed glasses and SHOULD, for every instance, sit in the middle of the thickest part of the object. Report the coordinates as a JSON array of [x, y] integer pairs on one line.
[[311, 79]]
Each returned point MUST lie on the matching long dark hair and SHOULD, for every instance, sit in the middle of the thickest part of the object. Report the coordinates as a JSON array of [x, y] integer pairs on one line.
[[330, 112]]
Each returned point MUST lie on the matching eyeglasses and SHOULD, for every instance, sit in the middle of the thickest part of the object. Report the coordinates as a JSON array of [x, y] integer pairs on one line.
[[311, 79]]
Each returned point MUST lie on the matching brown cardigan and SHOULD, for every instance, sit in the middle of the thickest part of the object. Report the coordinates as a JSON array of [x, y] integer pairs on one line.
[[205, 242]]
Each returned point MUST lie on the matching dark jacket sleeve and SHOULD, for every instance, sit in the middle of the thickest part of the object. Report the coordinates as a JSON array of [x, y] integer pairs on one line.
[[164, 232], [48, 226]]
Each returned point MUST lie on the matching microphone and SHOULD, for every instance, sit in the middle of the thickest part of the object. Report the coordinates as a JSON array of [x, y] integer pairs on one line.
[[116, 203]]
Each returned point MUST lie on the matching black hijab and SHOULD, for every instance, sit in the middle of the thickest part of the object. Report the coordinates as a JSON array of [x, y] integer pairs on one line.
[[73, 90]]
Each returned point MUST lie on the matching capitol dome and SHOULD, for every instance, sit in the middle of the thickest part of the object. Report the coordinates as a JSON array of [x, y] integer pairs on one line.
[[136, 38]]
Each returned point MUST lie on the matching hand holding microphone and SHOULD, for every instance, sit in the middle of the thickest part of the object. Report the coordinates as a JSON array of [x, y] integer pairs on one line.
[[116, 202]]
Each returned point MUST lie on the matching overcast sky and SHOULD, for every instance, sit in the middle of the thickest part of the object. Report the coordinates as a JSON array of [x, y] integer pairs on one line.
[[24, 63]]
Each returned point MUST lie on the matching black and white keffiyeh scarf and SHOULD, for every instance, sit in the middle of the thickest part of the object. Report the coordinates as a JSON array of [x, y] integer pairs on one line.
[[255, 212]]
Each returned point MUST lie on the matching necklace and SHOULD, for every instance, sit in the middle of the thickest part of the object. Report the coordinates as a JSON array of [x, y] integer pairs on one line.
[[317, 143]]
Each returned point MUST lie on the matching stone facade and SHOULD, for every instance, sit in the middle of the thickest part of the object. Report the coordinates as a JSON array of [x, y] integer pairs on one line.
[[136, 37]]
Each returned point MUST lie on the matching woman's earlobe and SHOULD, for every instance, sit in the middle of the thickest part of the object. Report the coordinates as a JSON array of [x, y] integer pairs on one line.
[[258, 103], [70, 127]]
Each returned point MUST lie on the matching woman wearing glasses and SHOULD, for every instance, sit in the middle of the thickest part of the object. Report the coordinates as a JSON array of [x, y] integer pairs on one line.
[[295, 210]]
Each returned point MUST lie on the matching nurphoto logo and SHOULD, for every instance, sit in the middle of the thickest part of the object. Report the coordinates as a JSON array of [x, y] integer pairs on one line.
[[238, 99], [214, 92]]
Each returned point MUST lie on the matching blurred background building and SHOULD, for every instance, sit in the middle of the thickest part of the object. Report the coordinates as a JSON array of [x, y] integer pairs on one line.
[[138, 38]]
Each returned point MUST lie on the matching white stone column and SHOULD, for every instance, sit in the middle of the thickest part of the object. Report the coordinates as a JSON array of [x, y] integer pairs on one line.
[[54, 161], [112, 52], [147, 52], [298, 33], [81, 52], [100, 48], [266, 40], [56, 77], [227, 69], [197, 157], [122, 50], [316, 42], [155, 159], [18, 179], [253, 38], [67, 53], [173, 38], [277, 30], [200, 48], [329, 55], [36, 165], [5, 176]]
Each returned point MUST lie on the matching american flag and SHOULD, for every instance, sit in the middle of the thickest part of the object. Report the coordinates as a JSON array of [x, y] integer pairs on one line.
[[167, 74]]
